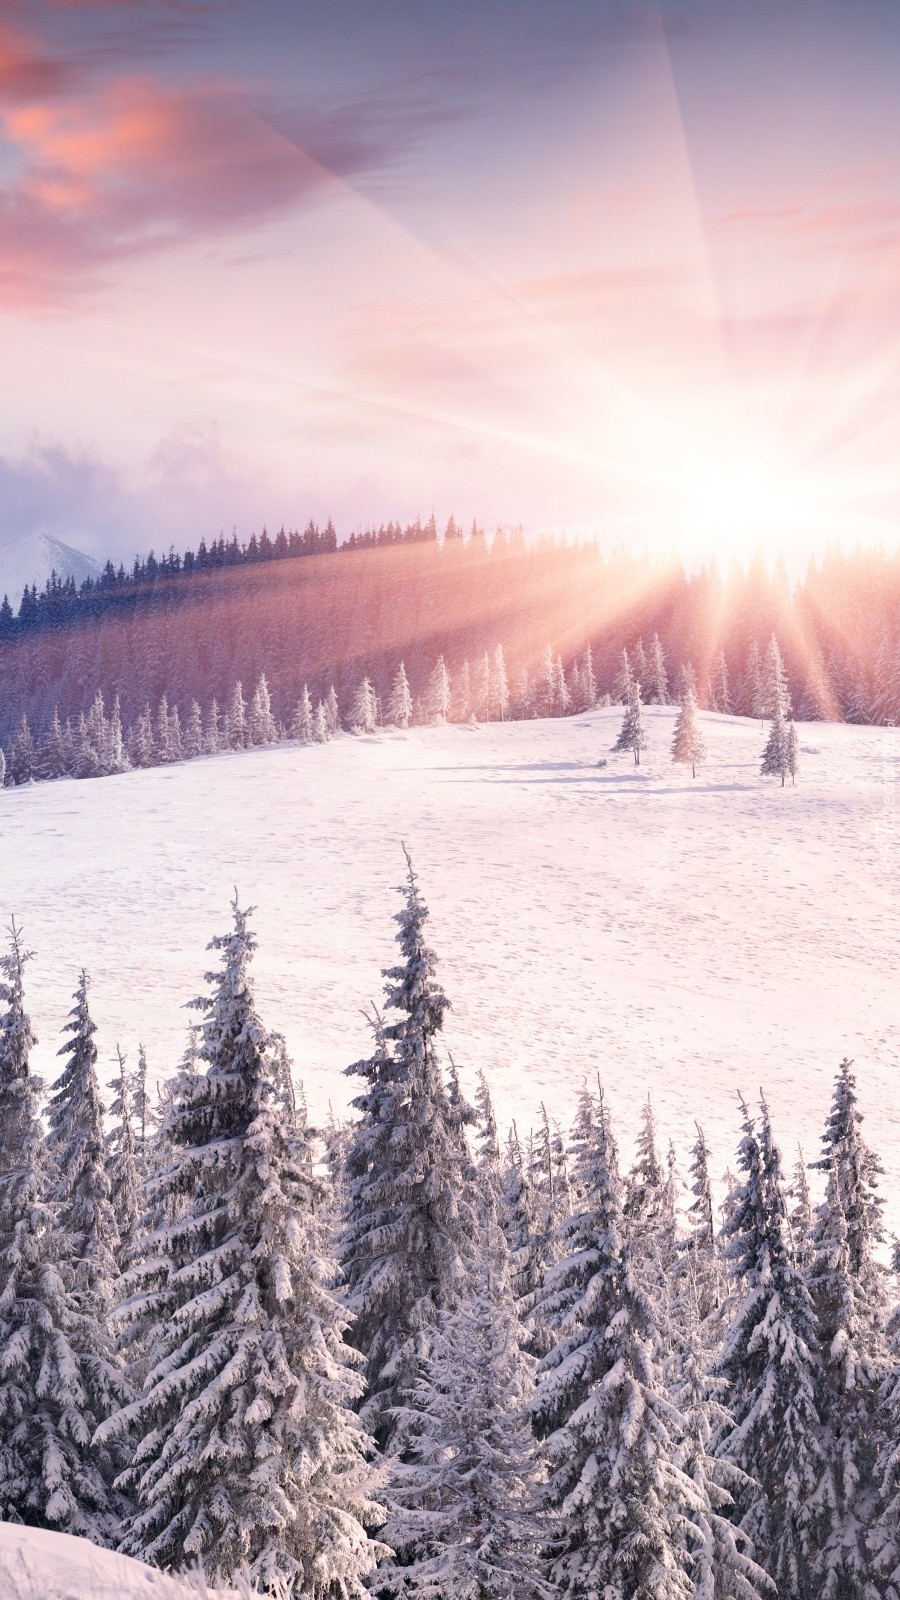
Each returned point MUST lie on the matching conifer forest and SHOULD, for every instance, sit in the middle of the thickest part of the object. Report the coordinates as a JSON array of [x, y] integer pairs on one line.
[[411, 1352], [297, 637]]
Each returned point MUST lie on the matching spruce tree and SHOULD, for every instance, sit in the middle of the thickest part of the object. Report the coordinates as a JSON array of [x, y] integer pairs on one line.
[[57, 1377], [776, 696], [249, 1459], [776, 756], [769, 1360], [399, 708], [364, 716], [437, 695], [211, 730], [76, 1141], [302, 723], [688, 747], [616, 1492], [720, 686], [261, 727], [632, 735], [700, 1248], [847, 1283], [193, 732], [499, 684], [410, 1223], [236, 733], [722, 1566], [332, 712], [550, 1203], [463, 1505], [488, 1162], [792, 752], [122, 1161], [623, 682], [657, 682], [588, 681]]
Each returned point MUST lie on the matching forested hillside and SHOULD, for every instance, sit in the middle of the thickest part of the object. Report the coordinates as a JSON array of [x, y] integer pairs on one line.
[[485, 629]]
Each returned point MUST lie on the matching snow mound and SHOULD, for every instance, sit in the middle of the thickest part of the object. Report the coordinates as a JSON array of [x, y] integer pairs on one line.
[[38, 1565], [42, 1565]]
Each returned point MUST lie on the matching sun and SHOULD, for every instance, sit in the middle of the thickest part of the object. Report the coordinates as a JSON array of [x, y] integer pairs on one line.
[[745, 501]]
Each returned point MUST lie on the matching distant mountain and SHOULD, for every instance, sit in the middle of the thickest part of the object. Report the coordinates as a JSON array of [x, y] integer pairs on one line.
[[31, 560]]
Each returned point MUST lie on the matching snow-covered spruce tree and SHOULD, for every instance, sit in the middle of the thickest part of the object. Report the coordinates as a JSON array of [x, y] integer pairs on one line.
[[463, 1503], [162, 748], [800, 1215], [632, 735], [700, 1247], [332, 712], [250, 1457], [142, 1113], [211, 730], [399, 706], [792, 753], [488, 1163], [236, 733], [720, 686], [302, 721], [769, 1360], [775, 757], [776, 695], [516, 1213], [437, 694], [588, 681], [550, 1197], [688, 748], [122, 1161], [657, 681], [618, 1497], [651, 1227], [849, 1294], [499, 684], [364, 715], [76, 1142], [57, 1378], [753, 694], [623, 681], [261, 727], [462, 698], [410, 1219], [193, 732], [722, 1564]]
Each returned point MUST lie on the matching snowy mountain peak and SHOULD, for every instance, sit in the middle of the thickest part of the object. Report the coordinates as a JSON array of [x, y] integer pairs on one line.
[[31, 560]]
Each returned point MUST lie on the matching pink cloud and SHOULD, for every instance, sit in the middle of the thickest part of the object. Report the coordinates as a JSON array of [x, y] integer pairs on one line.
[[135, 167], [27, 71]]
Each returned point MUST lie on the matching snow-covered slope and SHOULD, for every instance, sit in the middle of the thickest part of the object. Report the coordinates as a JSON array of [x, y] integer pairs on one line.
[[33, 558], [37, 1565], [690, 939]]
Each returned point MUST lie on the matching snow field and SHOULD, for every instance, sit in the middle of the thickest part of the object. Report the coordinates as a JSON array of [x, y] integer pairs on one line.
[[686, 939]]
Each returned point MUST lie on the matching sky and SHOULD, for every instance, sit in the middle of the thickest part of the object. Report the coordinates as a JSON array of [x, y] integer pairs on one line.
[[626, 268]]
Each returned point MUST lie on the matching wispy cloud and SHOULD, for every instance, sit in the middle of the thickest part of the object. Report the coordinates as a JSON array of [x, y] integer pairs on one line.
[[134, 168]]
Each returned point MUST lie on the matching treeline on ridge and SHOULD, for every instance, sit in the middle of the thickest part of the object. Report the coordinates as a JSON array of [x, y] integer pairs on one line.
[[339, 618]]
